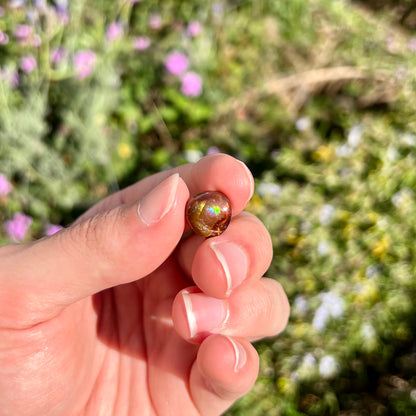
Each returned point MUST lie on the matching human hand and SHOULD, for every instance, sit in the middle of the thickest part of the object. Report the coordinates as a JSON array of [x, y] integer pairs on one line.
[[127, 314]]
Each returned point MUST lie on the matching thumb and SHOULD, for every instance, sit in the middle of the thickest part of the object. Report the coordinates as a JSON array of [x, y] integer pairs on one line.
[[109, 249]]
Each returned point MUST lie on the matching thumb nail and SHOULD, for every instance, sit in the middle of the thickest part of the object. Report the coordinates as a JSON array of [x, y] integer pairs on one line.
[[156, 204]]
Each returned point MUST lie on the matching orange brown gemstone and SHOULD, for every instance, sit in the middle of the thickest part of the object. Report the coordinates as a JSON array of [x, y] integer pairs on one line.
[[208, 213]]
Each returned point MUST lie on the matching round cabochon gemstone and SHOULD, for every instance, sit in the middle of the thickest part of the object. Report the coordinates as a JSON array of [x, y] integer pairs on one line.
[[208, 213]]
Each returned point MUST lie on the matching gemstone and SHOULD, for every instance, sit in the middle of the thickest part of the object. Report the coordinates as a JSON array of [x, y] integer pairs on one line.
[[208, 213]]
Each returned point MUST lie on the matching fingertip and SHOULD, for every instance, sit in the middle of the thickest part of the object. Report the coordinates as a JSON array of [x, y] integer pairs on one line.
[[229, 365]]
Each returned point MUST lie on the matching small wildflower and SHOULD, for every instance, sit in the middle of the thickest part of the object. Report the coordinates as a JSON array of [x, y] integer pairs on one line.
[[303, 123], [4, 38], [332, 306], [194, 28], [23, 32], [354, 136], [1, 11], [28, 63], [52, 229], [191, 84], [17, 227], [176, 63], [300, 305], [326, 214], [328, 367], [57, 55], [155, 21], [11, 76], [323, 248], [192, 155], [141, 43], [84, 63], [213, 150], [5, 185], [114, 31], [269, 188]]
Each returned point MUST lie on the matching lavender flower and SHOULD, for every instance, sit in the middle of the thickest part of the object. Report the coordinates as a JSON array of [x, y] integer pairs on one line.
[[52, 229], [57, 55], [4, 38], [141, 43], [194, 28], [23, 33], [28, 63], [191, 84], [176, 63], [1, 11], [17, 227], [11, 76], [5, 185], [84, 63], [155, 21], [213, 150], [412, 44], [114, 31]]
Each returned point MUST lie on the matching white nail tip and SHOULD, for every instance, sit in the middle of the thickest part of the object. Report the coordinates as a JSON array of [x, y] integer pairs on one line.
[[239, 354], [224, 265], [190, 317]]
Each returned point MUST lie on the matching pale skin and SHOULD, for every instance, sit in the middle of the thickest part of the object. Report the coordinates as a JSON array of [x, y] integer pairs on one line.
[[127, 313]]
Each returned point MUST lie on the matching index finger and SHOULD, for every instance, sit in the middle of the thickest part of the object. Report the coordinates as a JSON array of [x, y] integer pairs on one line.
[[217, 172]]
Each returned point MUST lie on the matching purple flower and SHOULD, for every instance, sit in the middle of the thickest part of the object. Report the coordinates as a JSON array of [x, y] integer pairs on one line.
[[57, 55], [412, 44], [23, 32], [141, 43], [176, 63], [84, 63], [1, 11], [4, 38], [134, 1], [213, 150], [17, 227], [28, 64], [194, 28], [155, 21], [52, 229], [114, 31], [5, 185], [11, 76], [191, 84]]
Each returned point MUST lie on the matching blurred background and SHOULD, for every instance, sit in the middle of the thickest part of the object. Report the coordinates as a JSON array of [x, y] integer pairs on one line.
[[317, 97]]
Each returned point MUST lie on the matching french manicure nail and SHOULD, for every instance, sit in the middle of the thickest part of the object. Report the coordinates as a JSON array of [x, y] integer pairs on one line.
[[156, 204], [203, 313], [240, 354], [233, 261]]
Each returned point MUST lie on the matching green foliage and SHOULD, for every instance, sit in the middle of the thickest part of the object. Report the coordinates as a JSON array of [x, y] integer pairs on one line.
[[316, 96]]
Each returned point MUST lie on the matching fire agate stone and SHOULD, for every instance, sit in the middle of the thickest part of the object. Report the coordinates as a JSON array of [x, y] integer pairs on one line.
[[208, 213]]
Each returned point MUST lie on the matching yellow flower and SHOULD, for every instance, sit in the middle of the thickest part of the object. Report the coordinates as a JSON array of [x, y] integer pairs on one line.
[[323, 154], [380, 248], [124, 150]]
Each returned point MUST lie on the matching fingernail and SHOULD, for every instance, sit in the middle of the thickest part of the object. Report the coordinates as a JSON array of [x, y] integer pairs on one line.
[[156, 204], [204, 314], [233, 261], [240, 354], [250, 178]]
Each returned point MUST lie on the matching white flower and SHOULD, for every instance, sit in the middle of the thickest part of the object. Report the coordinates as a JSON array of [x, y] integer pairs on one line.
[[192, 155], [323, 248], [354, 136], [300, 304], [332, 307], [328, 367], [368, 332], [268, 188], [409, 139], [326, 214], [303, 124], [344, 150]]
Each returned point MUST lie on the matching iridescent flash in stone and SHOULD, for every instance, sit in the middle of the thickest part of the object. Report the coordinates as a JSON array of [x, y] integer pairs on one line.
[[208, 213]]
